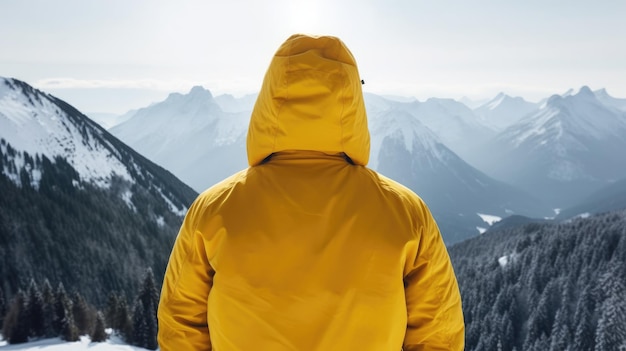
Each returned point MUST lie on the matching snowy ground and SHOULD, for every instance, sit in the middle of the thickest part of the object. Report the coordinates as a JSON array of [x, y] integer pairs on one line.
[[56, 344]]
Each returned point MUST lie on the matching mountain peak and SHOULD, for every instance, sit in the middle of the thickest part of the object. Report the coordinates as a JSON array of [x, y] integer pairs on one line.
[[199, 90], [602, 93], [585, 91]]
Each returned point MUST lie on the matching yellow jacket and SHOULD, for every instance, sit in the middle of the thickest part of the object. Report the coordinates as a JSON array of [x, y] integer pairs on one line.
[[308, 249]]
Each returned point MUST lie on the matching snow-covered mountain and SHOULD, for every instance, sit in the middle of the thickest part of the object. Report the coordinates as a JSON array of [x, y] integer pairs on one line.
[[77, 205], [571, 146], [191, 136], [446, 121], [39, 124], [603, 96], [229, 103], [451, 121], [503, 111], [458, 194]]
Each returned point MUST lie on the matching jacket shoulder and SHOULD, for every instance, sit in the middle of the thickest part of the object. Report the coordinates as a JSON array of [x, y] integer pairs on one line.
[[396, 192], [216, 193], [395, 189]]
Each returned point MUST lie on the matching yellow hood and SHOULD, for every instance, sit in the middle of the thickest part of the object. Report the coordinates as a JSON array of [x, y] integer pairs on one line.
[[311, 99]]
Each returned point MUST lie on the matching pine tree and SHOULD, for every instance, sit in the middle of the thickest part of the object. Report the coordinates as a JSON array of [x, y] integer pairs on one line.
[[148, 293], [35, 311], [584, 334], [541, 320], [82, 314], [611, 330], [69, 332], [3, 308], [15, 329], [140, 336], [151, 329], [63, 319], [48, 309], [123, 320], [98, 334], [144, 313], [561, 335], [110, 312], [61, 308], [507, 334]]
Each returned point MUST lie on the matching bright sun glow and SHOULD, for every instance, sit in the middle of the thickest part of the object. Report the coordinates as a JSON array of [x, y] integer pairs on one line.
[[304, 16]]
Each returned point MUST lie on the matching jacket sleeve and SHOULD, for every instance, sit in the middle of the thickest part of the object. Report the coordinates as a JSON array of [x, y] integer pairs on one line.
[[435, 316], [188, 279]]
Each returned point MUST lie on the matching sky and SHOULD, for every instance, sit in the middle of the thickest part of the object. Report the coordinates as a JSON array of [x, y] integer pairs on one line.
[[115, 55]]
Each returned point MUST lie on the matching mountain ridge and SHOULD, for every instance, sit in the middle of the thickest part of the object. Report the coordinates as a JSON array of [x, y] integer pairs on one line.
[[78, 220]]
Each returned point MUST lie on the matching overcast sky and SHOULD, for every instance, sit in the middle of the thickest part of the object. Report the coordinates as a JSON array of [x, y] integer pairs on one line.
[[114, 55]]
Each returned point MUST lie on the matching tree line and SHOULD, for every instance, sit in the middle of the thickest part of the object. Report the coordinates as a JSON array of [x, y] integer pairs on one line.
[[40, 311], [548, 287]]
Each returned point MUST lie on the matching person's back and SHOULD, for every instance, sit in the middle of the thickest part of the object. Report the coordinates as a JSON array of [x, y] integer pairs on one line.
[[308, 249]]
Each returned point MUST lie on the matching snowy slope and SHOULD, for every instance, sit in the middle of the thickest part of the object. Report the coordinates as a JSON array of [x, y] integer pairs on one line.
[[503, 110], [570, 147], [603, 96], [452, 122], [56, 344], [34, 122], [190, 135]]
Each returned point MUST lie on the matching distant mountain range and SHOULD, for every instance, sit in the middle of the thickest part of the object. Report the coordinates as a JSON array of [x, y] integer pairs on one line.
[[506, 156], [78, 206], [568, 148]]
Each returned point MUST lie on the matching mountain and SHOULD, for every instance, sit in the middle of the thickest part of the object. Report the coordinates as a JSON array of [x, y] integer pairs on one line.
[[603, 96], [504, 110], [109, 120], [406, 150], [194, 137], [229, 103], [471, 103], [78, 206], [191, 136], [453, 123], [609, 198], [570, 147]]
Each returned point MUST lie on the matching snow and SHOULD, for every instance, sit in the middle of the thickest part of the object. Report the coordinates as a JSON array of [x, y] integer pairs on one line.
[[503, 261], [173, 208], [160, 221], [56, 344], [127, 197], [583, 215], [401, 125], [481, 230], [503, 110], [35, 124], [577, 114], [556, 213], [489, 219], [537, 126]]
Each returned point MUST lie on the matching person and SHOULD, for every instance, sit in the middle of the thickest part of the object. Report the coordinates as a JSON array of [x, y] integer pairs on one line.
[[308, 249]]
